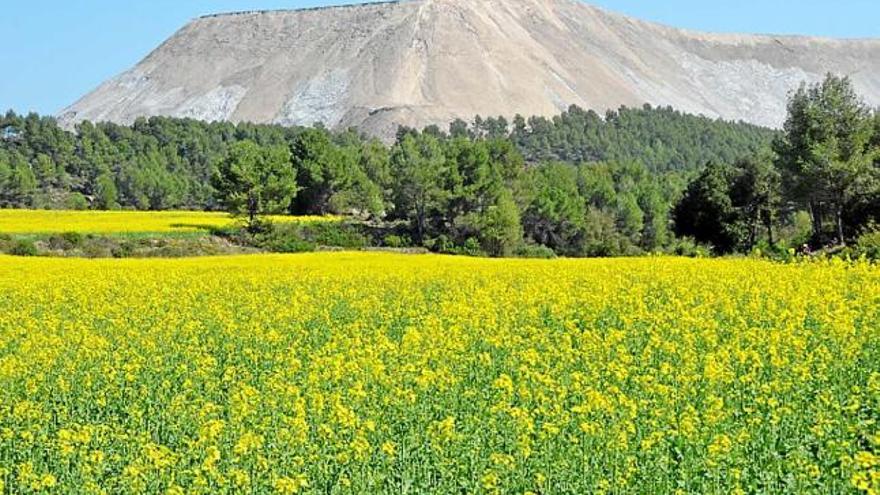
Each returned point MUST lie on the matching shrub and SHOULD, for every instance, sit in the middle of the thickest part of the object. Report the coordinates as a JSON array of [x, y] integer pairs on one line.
[[96, 249], [5, 243], [396, 241], [868, 245], [66, 241], [335, 234], [76, 201], [536, 251], [23, 247], [444, 245], [125, 249], [290, 245], [284, 239], [688, 247]]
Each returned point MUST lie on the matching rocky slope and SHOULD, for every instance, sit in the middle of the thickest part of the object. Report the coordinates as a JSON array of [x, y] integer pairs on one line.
[[425, 62]]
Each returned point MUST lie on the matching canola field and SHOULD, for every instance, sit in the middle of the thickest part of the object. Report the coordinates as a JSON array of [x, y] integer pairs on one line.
[[379, 373], [123, 222]]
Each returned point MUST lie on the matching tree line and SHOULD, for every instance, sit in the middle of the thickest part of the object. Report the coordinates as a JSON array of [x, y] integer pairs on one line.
[[576, 184], [633, 181]]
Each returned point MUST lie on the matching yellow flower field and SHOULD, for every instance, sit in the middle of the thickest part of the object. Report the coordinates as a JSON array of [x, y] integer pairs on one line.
[[378, 373], [121, 222]]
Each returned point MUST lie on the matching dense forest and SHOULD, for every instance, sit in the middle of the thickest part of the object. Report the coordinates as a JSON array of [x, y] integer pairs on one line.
[[579, 184]]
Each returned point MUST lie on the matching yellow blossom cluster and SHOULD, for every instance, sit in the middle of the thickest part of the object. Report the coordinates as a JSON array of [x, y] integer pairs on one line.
[[124, 222], [382, 373]]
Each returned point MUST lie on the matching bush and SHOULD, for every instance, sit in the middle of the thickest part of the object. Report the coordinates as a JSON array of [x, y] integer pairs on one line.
[[66, 241], [284, 239], [297, 238], [5, 243], [124, 250], [23, 247], [76, 201], [289, 245], [535, 251], [396, 241], [444, 245], [688, 247], [336, 235], [868, 245], [95, 248]]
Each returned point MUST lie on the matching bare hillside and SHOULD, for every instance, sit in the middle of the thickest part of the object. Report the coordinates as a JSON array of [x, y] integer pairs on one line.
[[429, 61]]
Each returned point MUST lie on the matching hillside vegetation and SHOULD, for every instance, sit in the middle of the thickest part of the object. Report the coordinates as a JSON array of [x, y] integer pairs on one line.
[[635, 181], [578, 183]]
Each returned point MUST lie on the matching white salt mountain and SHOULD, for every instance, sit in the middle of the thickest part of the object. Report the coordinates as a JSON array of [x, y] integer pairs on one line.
[[421, 62]]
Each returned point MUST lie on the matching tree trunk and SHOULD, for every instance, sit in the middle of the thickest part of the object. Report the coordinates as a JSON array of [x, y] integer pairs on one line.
[[252, 210], [420, 225], [840, 227], [753, 232], [816, 218]]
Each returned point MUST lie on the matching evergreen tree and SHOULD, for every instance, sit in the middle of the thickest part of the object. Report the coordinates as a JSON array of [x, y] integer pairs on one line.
[[253, 180], [556, 212], [419, 167], [756, 193], [106, 193], [706, 211], [825, 152]]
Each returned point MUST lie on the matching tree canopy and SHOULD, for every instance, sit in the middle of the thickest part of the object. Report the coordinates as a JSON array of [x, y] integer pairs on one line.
[[254, 180]]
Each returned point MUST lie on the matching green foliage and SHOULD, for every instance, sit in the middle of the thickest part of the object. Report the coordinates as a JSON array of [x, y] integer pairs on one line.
[[534, 251], [284, 241], [18, 184], [601, 236], [470, 185], [396, 241], [687, 246], [555, 214], [756, 193], [725, 206], [335, 234], [636, 200], [826, 152], [23, 247], [420, 170], [125, 249], [444, 245], [297, 238], [66, 241], [75, 201], [868, 245], [660, 138], [499, 227], [706, 212], [822, 187], [252, 180], [106, 193]]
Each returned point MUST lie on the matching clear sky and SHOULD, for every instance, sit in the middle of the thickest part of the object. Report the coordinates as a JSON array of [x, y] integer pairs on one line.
[[54, 51]]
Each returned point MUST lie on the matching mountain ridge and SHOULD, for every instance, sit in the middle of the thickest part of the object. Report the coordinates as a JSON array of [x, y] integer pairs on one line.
[[419, 62]]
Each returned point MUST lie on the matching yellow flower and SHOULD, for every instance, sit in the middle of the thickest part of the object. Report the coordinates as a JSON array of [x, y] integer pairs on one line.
[[289, 486], [866, 460], [248, 443], [389, 449], [48, 481]]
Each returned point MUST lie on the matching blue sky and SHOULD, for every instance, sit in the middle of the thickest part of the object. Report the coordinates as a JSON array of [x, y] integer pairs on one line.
[[54, 51]]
